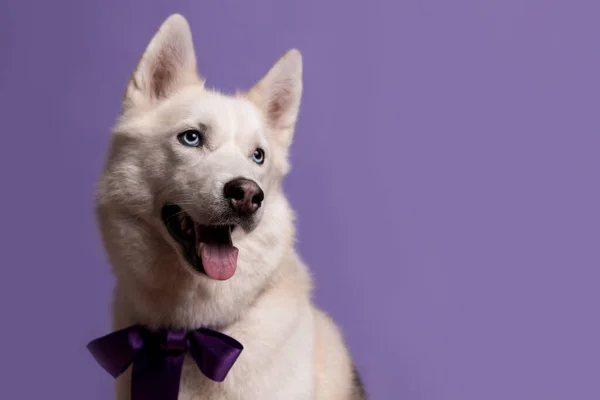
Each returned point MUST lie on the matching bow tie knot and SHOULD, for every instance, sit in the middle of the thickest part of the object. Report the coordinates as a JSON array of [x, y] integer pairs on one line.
[[174, 341]]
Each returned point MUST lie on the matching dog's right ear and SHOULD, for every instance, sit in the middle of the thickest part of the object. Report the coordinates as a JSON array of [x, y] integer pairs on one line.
[[168, 64]]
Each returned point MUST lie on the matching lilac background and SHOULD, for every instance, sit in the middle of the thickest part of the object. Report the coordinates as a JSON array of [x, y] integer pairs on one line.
[[445, 175]]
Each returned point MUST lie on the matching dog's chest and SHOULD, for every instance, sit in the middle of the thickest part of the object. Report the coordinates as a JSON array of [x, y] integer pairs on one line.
[[261, 372]]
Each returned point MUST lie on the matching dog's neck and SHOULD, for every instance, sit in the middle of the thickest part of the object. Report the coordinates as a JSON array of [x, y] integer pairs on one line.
[[183, 305]]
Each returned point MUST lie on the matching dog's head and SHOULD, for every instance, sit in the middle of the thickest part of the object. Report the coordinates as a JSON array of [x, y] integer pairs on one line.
[[196, 166]]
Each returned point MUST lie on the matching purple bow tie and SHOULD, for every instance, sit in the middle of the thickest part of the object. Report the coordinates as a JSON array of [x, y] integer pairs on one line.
[[157, 357]]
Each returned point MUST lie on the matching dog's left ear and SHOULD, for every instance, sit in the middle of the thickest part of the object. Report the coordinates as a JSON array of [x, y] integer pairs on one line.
[[278, 95], [168, 64]]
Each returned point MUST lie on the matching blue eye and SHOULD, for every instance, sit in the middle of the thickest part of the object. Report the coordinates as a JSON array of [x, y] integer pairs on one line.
[[259, 156], [190, 138]]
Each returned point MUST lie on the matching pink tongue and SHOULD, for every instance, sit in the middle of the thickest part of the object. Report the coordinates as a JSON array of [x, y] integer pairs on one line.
[[219, 260]]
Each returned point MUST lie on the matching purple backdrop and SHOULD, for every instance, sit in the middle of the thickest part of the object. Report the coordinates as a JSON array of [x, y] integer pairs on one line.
[[445, 176]]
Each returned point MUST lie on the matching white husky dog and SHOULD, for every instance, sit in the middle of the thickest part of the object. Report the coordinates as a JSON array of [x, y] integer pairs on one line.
[[199, 233]]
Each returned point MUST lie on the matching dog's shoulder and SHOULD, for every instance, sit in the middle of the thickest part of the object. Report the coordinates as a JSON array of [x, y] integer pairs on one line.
[[358, 390]]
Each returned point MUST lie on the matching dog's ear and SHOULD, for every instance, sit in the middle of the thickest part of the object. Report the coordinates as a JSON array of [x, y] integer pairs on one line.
[[278, 95], [168, 64]]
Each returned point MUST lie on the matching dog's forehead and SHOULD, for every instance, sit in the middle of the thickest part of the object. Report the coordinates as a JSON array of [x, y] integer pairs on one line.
[[225, 114]]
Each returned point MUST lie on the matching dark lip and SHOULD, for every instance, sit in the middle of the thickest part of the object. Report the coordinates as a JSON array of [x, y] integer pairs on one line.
[[188, 242]]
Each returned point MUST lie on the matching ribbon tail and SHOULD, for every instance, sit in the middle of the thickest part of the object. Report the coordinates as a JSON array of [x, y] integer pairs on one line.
[[115, 352], [156, 375], [214, 353]]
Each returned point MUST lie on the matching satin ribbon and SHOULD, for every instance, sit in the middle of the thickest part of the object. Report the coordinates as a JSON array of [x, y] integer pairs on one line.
[[157, 357]]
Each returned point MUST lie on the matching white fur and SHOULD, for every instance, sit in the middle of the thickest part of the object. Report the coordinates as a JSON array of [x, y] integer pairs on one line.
[[292, 350]]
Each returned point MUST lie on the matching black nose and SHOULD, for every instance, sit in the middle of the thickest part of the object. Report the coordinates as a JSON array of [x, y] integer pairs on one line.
[[244, 195]]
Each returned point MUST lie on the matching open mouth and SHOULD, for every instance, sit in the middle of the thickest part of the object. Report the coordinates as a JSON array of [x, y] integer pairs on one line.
[[207, 248]]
